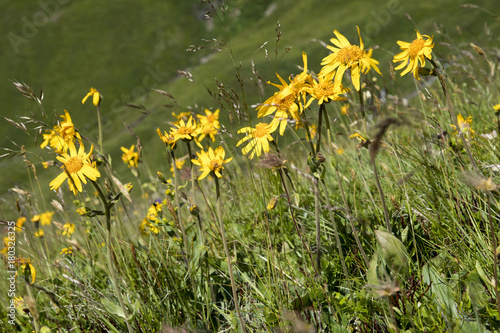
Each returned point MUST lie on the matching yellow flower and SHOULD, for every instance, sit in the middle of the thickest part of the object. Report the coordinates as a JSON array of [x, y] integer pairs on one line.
[[61, 135], [19, 223], [272, 203], [35, 218], [413, 53], [39, 233], [166, 138], [283, 102], [211, 162], [146, 227], [76, 166], [179, 163], [81, 211], [182, 115], [209, 124], [345, 109], [259, 139], [46, 218], [67, 250], [153, 211], [45, 165], [69, 228], [325, 90], [130, 157], [23, 263], [346, 56], [496, 107], [464, 125], [95, 96], [185, 131]]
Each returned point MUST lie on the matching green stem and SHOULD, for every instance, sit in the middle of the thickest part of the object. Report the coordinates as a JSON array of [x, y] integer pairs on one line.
[[30, 295], [381, 194], [114, 278], [178, 205], [362, 105], [228, 256], [322, 109], [100, 128], [318, 224], [495, 257]]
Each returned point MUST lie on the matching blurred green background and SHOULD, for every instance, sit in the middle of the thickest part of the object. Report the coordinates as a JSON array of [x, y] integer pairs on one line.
[[125, 48]]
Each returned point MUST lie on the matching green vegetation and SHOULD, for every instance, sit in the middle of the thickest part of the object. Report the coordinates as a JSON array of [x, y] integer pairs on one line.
[[383, 218]]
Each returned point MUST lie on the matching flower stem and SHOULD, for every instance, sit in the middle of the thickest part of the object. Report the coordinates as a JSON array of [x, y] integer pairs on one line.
[[101, 149], [114, 278], [226, 250], [495, 257], [178, 205]]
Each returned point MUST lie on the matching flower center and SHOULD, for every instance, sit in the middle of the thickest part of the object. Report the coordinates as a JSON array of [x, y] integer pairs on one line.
[[348, 54], [74, 164], [260, 130], [215, 165], [415, 47], [184, 131], [210, 118], [325, 89], [286, 103]]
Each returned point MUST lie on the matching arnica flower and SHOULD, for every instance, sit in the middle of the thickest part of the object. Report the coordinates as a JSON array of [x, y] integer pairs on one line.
[[167, 138], [67, 251], [324, 90], [46, 218], [413, 53], [95, 96], [26, 263], [39, 233], [68, 229], [209, 124], [496, 108], [283, 103], [464, 125], [182, 115], [61, 135], [146, 227], [179, 163], [258, 139], [185, 131], [211, 162], [76, 166], [130, 157], [19, 223], [346, 56]]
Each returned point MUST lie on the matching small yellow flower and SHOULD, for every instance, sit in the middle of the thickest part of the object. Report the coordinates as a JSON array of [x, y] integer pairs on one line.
[[179, 163], [413, 53], [46, 218], [19, 223], [258, 139], [181, 115], [77, 167], [464, 125], [357, 135], [61, 135], [324, 90], [67, 250], [167, 138], [39, 233], [96, 97], [209, 124], [346, 56], [345, 109], [26, 263], [69, 228], [130, 157], [211, 161], [272, 203], [35, 218], [496, 107], [186, 131], [45, 165], [81, 211]]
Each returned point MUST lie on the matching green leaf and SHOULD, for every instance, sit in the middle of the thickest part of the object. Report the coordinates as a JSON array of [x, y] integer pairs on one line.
[[393, 251]]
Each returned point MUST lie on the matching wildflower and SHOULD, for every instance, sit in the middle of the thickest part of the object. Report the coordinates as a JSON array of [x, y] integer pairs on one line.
[[69, 228], [76, 166], [96, 97], [464, 125], [496, 108], [128, 187], [346, 56], [345, 109], [7, 243], [283, 103], [46, 165], [413, 53], [61, 135], [39, 233], [130, 157], [209, 124], [325, 90], [46, 218], [81, 211], [272, 203], [19, 223], [179, 163], [211, 162], [67, 251], [185, 130], [153, 211], [167, 138], [35, 218], [259, 139], [362, 141], [27, 263], [182, 115], [146, 227]]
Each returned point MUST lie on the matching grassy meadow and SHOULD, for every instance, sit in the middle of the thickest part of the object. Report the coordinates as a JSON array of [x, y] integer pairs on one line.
[[240, 167]]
